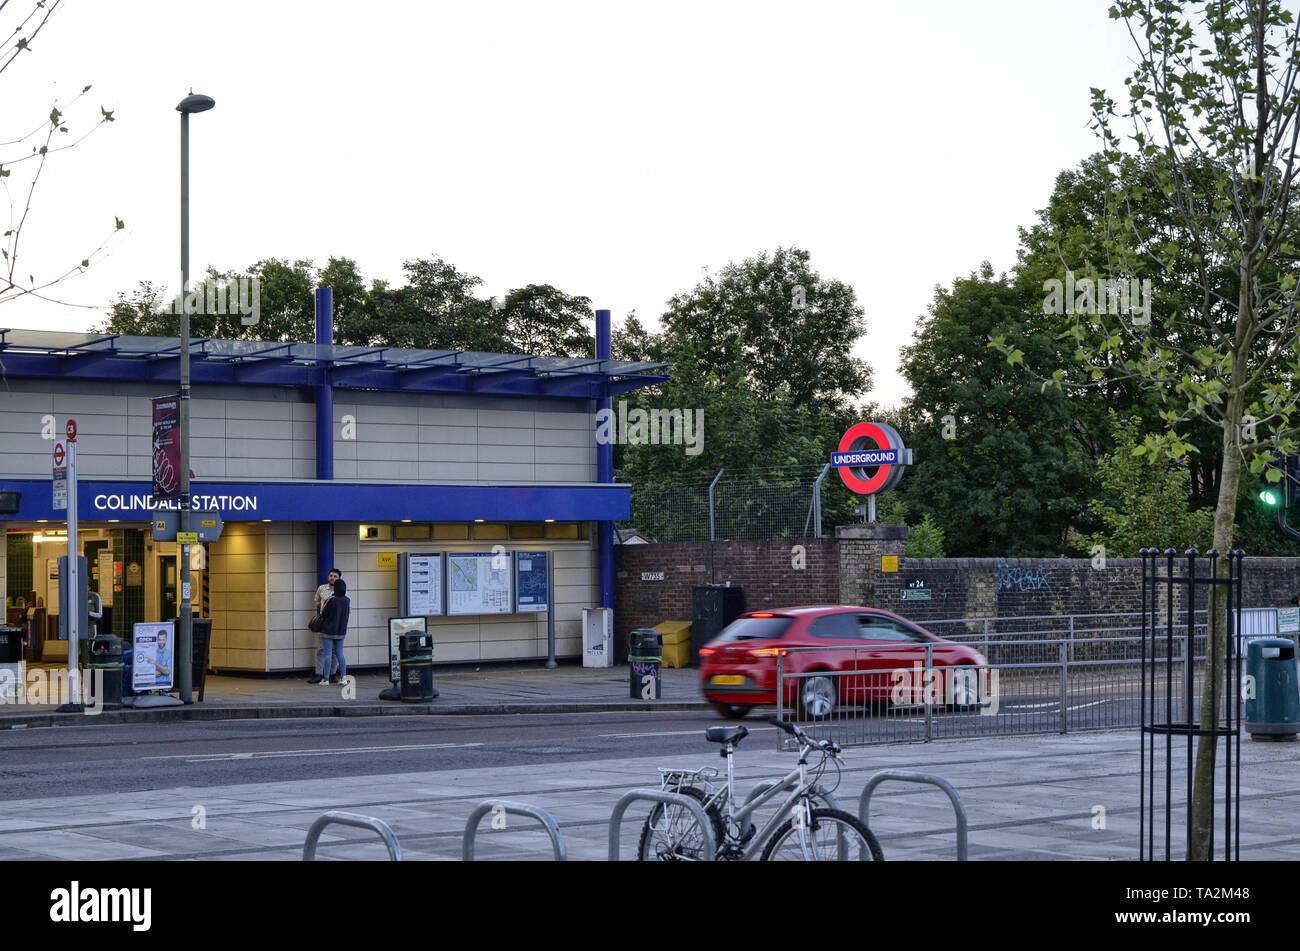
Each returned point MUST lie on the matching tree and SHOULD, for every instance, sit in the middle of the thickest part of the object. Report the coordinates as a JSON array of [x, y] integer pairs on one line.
[[440, 311], [1145, 501], [1210, 114], [780, 322], [1000, 465], [545, 321], [29, 152]]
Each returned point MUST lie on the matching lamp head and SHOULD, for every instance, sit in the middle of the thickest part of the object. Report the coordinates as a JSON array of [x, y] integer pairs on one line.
[[195, 103]]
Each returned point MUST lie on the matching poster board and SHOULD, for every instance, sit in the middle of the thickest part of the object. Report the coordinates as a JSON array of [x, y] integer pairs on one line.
[[397, 626], [106, 584], [154, 645], [532, 591], [52, 586], [480, 583], [420, 584]]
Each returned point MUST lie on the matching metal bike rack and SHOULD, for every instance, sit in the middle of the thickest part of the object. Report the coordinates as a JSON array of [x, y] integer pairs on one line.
[[516, 809], [350, 819], [908, 776], [816, 790], [667, 798]]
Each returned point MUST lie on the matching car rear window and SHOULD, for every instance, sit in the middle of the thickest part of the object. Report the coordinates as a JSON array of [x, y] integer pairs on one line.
[[755, 628]]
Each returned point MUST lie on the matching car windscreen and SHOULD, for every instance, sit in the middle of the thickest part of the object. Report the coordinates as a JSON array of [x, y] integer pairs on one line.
[[755, 628]]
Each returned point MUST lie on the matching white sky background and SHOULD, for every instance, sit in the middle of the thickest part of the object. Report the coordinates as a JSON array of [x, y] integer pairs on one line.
[[609, 149]]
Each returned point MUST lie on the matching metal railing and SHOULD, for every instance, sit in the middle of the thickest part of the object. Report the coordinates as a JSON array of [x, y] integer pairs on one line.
[[503, 807], [1026, 685], [350, 819]]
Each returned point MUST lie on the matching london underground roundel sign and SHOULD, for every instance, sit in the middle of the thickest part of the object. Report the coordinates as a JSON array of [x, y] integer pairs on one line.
[[868, 446]]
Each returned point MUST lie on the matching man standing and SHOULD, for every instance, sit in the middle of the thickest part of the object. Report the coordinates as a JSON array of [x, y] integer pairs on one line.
[[323, 594], [334, 627]]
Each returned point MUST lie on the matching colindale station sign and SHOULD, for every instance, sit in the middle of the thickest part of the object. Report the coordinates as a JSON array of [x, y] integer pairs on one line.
[[144, 502], [871, 446]]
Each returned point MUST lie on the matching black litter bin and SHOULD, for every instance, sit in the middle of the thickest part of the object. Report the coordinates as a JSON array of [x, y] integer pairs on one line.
[[11, 658], [11, 644], [415, 668], [645, 657], [105, 667]]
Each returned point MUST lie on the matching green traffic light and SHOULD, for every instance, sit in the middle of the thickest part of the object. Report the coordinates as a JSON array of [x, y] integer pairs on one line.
[[1268, 496]]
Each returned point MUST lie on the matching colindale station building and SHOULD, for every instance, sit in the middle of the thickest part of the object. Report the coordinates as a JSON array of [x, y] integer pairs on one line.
[[315, 456]]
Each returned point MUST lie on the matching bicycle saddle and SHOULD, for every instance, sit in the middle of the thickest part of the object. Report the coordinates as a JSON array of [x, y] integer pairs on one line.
[[725, 734]]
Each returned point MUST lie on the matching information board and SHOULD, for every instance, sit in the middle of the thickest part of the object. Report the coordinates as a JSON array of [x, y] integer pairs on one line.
[[531, 591], [419, 580], [479, 583]]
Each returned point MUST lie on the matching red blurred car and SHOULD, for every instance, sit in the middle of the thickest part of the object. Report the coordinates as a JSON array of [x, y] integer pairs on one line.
[[876, 652]]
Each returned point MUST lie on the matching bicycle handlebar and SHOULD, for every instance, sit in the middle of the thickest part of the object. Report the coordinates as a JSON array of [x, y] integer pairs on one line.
[[804, 739]]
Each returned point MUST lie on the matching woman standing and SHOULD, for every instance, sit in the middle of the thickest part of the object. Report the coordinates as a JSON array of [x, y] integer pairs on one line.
[[334, 627]]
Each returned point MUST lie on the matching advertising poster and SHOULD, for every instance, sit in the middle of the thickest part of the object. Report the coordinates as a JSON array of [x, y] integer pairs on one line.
[[155, 646], [167, 447]]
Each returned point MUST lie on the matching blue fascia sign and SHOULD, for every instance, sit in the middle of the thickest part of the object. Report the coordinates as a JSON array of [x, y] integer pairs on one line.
[[334, 501]]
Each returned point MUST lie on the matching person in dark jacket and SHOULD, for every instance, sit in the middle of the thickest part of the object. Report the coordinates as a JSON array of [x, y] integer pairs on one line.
[[334, 627]]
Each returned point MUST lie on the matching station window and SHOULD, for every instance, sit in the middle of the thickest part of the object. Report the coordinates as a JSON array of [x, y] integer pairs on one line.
[[490, 531], [563, 530], [526, 530], [376, 533], [451, 531], [411, 531]]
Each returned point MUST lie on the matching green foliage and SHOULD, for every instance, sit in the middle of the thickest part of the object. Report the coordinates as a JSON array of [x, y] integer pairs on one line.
[[1000, 464], [1145, 501], [438, 308]]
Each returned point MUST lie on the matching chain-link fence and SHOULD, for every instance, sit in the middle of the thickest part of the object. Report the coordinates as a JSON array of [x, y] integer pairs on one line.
[[778, 502]]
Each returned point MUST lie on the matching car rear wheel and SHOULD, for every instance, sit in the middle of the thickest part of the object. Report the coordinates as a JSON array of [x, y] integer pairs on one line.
[[732, 711], [818, 698]]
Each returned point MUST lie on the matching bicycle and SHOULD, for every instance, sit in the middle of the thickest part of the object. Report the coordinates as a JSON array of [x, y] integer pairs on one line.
[[814, 831]]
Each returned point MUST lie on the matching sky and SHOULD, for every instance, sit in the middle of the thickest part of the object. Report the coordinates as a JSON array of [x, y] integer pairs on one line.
[[613, 150]]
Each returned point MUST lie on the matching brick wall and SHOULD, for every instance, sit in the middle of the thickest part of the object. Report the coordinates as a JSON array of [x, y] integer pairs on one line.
[[846, 570], [775, 573]]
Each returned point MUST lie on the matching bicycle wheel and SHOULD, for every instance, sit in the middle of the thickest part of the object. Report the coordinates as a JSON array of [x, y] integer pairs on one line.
[[830, 835], [671, 833]]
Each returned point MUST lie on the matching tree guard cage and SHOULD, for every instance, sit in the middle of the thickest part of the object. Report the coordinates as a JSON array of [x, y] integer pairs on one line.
[[1179, 663]]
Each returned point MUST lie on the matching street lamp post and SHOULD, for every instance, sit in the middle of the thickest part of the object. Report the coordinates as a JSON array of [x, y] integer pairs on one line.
[[185, 627]]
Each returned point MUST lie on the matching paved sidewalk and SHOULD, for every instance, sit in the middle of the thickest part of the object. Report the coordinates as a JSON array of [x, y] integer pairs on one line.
[[492, 689], [1028, 797]]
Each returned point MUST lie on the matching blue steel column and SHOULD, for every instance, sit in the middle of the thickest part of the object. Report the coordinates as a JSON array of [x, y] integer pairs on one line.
[[605, 473], [324, 430]]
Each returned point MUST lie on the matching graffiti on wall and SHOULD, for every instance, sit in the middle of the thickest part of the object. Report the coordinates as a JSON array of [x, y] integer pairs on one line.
[[1016, 578]]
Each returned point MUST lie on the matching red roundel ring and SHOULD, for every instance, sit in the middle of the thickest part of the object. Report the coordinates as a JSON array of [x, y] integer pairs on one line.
[[860, 436]]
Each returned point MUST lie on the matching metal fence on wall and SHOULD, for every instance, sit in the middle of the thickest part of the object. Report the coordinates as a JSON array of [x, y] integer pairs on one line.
[[738, 504]]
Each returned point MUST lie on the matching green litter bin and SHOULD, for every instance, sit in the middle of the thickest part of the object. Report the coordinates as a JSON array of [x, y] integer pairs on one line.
[[1272, 689]]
